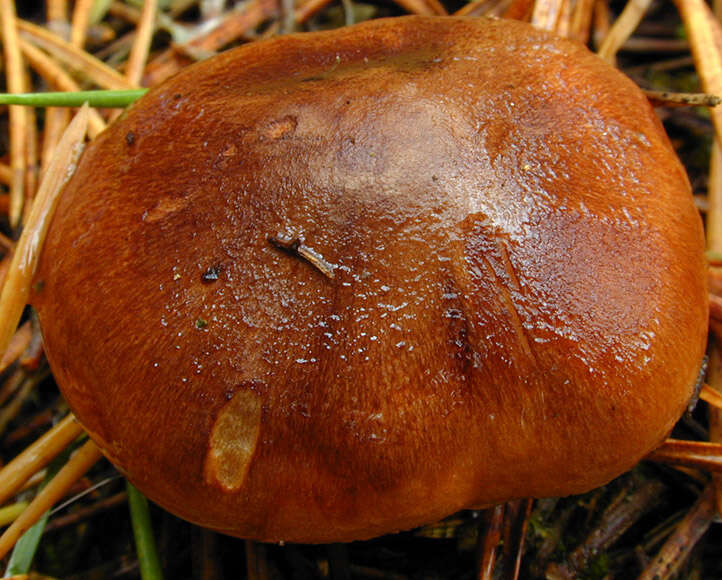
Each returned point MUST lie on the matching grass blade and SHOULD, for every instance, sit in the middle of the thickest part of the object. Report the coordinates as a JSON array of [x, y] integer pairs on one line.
[[22, 556], [148, 560], [108, 99]]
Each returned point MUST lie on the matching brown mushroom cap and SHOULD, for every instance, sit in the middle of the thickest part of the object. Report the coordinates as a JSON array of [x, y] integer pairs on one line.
[[492, 287]]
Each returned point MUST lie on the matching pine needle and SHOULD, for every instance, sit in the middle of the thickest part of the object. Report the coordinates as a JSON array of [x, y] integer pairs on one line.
[[141, 46], [18, 117], [24, 552], [95, 69], [87, 456], [9, 513], [16, 289], [623, 28], [37, 456]]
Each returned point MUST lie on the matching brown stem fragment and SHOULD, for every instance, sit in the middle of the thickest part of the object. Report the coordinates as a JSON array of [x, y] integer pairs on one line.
[[670, 99], [295, 246], [701, 454], [680, 543], [616, 519], [502, 543]]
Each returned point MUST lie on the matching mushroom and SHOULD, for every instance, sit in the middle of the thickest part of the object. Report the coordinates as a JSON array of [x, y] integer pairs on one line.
[[333, 285]]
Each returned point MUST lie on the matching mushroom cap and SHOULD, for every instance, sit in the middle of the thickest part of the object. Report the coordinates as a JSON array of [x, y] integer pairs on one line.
[[487, 281]]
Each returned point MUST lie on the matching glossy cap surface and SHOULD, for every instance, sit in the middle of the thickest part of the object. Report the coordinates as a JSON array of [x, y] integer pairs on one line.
[[334, 285]]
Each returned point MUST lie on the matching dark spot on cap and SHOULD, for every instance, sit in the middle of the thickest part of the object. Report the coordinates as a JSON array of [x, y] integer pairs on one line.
[[211, 274], [130, 137]]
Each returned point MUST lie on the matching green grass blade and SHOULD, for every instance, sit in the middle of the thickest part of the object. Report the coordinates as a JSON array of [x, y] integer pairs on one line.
[[148, 560], [110, 99], [24, 551]]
